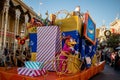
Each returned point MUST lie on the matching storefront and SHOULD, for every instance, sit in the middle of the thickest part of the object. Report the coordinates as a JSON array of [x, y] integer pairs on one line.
[[14, 14]]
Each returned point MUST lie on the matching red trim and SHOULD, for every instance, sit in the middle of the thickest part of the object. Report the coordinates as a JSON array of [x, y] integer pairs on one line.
[[85, 24], [8, 34]]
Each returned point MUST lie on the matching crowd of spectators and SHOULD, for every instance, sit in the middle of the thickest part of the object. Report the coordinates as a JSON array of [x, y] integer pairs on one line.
[[111, 56], [10, 58]]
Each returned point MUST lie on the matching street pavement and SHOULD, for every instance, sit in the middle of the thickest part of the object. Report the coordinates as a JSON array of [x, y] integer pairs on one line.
[[109, 73]]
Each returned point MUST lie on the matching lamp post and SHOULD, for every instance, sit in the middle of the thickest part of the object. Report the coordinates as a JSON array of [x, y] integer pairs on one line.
[[107, 34]]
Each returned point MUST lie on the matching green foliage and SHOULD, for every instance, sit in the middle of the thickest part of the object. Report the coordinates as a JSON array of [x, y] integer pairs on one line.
[[113, 40]]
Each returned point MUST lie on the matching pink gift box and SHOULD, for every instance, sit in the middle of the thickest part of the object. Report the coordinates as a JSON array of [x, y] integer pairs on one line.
[[31, 72], [48, 45]]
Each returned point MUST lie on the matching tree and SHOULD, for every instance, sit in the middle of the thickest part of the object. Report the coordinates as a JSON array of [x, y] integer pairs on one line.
[[113, 40]]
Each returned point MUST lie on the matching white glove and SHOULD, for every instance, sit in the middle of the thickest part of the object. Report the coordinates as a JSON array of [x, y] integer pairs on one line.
[[72, 48], [76, 52]]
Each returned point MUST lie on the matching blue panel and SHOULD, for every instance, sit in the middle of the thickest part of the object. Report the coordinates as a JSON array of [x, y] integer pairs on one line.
[[82, 51], [88, 50], [76, 36], [33, 42], [91, 29]]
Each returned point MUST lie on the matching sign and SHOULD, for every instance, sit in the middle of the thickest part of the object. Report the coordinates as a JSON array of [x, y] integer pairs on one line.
[[89, 29]]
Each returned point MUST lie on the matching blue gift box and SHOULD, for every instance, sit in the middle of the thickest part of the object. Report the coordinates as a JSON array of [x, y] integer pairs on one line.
[[76, 36], [34, 65], [33, 42]]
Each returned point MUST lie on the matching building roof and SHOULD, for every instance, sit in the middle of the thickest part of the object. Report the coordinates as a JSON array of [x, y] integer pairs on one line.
[[20, 2], [114, 22]]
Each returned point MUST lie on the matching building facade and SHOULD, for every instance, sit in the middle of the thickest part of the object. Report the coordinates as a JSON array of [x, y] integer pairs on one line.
[[101, 35], [115, 26], [14, 14], [97, 32]]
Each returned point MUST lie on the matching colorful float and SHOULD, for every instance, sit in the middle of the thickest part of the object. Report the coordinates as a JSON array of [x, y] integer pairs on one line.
[[64, 49]]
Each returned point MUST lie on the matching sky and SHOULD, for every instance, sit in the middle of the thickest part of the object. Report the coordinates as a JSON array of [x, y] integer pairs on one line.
[[101, 11]]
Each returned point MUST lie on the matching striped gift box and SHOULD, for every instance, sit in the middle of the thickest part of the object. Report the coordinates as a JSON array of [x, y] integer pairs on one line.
[[34, 65], [31, 72], [48, 45]]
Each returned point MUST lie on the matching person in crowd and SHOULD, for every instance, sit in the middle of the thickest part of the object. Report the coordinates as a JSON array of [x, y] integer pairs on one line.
[[19, 57], [112, 57], [2, 58], [12, 58], [5, 52], [1, 62], [108, 59], [102, 55], [98, 54], [6, 57], [27, 54], [117, 61]]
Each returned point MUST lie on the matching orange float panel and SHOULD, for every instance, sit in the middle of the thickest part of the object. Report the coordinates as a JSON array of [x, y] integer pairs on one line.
[[11, 74]]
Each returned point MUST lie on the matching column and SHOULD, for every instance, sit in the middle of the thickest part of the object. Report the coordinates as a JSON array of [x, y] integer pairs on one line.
[[26, 21], [25, 28], [2, 29], [17, 21], [16, 27], [6, 8]]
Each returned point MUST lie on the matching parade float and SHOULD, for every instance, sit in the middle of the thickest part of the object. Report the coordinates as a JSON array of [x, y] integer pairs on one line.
[[62, 49]]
